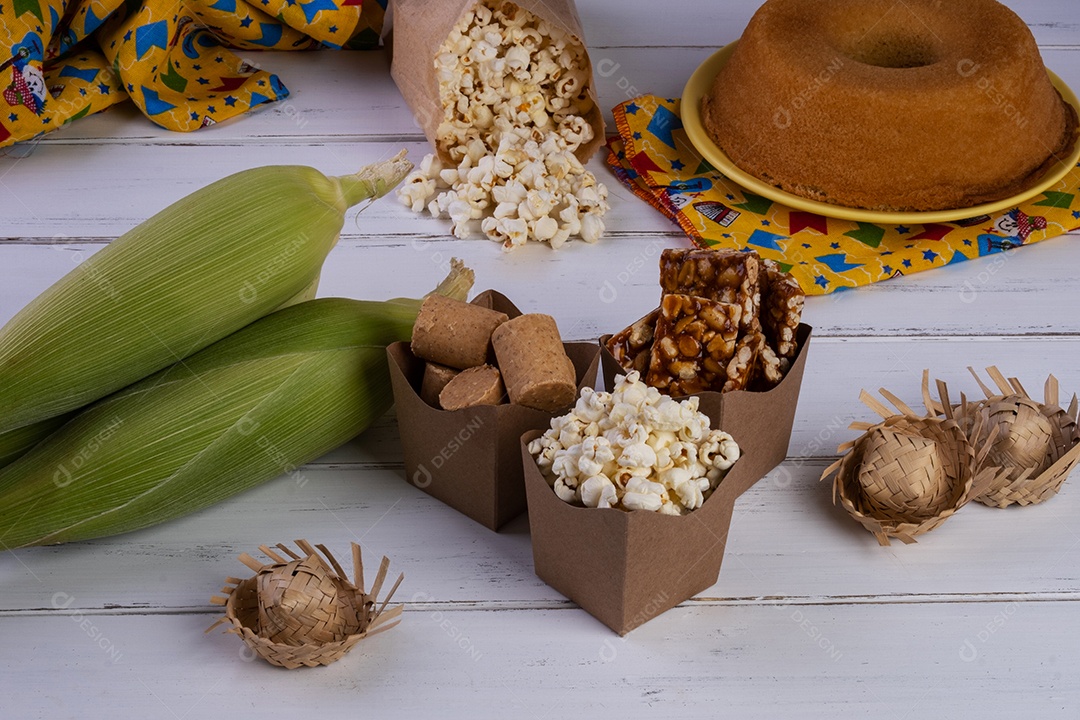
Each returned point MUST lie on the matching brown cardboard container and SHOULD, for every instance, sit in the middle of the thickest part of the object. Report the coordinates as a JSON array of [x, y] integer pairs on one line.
[[421, 26], [759, 421], [637, 564], [469, 458]]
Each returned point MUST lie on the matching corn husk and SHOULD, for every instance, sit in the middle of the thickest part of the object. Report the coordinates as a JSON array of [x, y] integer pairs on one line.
[[202, 268], [258, 404], [908, 474], [302, 610], [16, 443], [1037, 444]]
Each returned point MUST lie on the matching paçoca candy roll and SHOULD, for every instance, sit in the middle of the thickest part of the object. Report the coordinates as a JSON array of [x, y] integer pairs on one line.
[[480, 385], [454, 333], [436, 377], [534, 363]]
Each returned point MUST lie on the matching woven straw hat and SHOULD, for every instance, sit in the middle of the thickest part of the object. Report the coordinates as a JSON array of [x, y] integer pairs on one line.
[[1037, 444], [909, 473], [302, 610]]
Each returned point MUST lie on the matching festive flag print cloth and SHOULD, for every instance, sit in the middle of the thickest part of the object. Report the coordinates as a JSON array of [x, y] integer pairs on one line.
[[63, 59], [654, 158]]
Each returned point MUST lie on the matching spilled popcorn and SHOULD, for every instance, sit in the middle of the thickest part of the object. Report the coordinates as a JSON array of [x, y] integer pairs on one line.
[[634, 449], [514, 92]]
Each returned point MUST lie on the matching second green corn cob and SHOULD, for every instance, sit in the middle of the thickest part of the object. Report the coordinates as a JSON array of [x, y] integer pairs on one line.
[[277, 394]]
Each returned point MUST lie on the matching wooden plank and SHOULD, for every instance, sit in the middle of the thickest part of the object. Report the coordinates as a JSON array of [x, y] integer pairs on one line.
[[994, 660], [592, 290], [787, 543]]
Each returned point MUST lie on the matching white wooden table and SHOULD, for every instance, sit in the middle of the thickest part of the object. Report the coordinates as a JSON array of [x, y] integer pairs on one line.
[[810, 618]]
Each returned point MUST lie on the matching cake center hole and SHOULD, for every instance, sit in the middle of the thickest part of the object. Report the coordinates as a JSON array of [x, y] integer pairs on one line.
[[893, 51]]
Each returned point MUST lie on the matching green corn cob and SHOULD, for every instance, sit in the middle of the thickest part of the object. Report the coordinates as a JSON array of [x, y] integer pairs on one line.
[[278, 393]]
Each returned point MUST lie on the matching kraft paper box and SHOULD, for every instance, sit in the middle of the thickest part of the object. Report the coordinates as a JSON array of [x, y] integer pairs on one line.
[[469, 458], [640, 564], [759, 421], [625, 568], [421, 26]]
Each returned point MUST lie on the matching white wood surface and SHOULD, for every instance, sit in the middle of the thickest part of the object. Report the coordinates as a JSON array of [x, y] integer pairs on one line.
[[810, 618]]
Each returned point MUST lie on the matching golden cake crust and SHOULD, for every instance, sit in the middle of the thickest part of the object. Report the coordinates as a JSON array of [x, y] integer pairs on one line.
[[914, 106]]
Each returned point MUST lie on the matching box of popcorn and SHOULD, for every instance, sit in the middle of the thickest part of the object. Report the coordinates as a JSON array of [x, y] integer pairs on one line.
[[504, 92], [630, 501]]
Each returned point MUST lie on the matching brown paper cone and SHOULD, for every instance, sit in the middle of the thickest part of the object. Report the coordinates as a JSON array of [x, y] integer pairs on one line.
[[421, 26]]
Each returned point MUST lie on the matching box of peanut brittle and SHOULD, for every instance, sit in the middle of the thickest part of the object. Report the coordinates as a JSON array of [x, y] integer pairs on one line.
[[759, 420], [729, 330]]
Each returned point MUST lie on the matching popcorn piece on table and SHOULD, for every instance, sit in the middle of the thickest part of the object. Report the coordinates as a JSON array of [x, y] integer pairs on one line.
[[634, 449], [514, 92]]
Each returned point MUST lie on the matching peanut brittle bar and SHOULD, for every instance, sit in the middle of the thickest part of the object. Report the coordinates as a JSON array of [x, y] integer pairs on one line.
[[770, 369], [632, 346], [694, 342], [782, 302], [722, 275], [742, 368]]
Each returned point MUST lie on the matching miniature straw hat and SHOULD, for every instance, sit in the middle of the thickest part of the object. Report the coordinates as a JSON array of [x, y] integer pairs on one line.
[[909, 473], [1037, 444], [302, 610]]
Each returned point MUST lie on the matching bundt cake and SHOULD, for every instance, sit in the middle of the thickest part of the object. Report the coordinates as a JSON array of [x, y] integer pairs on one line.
[[911, 106]]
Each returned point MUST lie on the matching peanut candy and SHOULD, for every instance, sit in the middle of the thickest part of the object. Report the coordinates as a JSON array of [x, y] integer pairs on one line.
[[632, 346], [782, 302], [694, 342], [725, 276], [743, 366], [770, 369]]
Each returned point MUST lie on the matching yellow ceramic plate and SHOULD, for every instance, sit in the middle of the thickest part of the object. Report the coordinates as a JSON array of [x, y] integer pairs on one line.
[[700, 83]]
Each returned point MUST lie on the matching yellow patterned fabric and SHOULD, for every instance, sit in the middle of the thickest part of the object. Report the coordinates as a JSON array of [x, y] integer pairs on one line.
[[653, 157], [63, 59]]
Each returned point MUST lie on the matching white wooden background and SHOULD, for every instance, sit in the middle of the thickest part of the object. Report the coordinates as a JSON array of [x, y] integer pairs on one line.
[[810, 618]]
